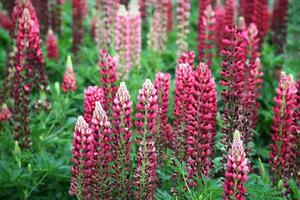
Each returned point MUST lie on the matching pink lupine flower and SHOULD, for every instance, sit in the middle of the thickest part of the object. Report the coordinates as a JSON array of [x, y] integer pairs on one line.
[[145, 174], [220, 25], [122, 123], [51, 43], [103, 153], [83, 160], [239, 87], [29, 72], [201, 8], [108, 72], [92, 95], [279, 23], [284, 130], [237, 170], [158, 30], [187, 57], [207, 36], [297, 119], [79, 12], [183, 13], [229, 13], [258, 73], [164, 135], [184, 82], [170, 15], [202, 117], [6, 22], [69, 79], [5, 113], [135, 33]]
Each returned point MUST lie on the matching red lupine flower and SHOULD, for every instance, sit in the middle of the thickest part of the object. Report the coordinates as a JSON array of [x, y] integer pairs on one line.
[[238, 95], [258, 73], [79, 12], [103, 153], [29, 72], [184, 88], [108, 72], [237, 170], [69, 79], [92, 95], [284, 130], [220, 25], [202, 117], [6, 22], [279, 23], [187, 57], [145, 174], [165, 137], [143, 8], [297, 118], [262, 21], [83, 160], [183, 13], [5, 113], [41, 8], [122, 123], [136, 33], [56, 15], [201, 8], [207, 36], [51, 43], [229, 13]]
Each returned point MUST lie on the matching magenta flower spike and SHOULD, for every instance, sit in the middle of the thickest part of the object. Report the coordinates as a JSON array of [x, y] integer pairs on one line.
[[183, 13], [237, 170], [51, 44], [220, 25], [145, 173], [92, 94], [69, 80], [229, 13], [202, 5], [284, 131], [202, 122], [187, 57], [122, 123]]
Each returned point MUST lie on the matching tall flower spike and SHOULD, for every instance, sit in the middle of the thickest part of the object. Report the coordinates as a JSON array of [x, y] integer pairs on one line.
[[297, 119], [284, 130], [51, 43], [184, 82], [122, 123], [207, 36], [6, 22], [183, 13], [237, 170], [92, 95], [41, 8], [145, 173], [69, 79], [56, 15], [220, 25], [170, 15], [201, 8], [108, 72], [79, 12], [202, 117], [135, 32], [103, 153], [187, 57], [229, 13], [165, 137], [29, 72]]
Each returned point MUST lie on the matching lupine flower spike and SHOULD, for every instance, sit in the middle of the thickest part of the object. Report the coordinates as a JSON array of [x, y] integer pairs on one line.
[[284, 130], [51, 43], [220, 25], [164, 135], [69, 79], [237, 170], [83, 161], [202, 117], [184, 88], [229, 13], [183, 13], [201, 31], [108, 72], [145, 174], [122, 123], [92, 95], [102, 135], [187, 57]]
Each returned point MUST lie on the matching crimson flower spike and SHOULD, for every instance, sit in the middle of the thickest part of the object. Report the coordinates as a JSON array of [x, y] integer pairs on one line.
[[220, 25], [184, 82], [237, 170], [284, 131], [122, 123], [187, 57], [92, 94], [229, 13], [51, 44], [202, 117], [145, 173], [69, 80], [201, 8]]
